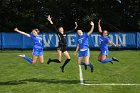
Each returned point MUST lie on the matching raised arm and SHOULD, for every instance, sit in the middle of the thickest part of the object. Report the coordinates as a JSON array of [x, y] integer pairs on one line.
[[50, 19], [111, 43], [76, 25], [51, 22], [70, 31], [99, 26], [92, 28], [21, 32], [77, 48]]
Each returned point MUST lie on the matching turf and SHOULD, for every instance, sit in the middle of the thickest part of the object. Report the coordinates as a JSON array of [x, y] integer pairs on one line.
[[18, 76]]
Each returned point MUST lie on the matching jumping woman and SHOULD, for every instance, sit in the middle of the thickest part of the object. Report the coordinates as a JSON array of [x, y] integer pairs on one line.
[[37, 48], [83, 48], [104, 41], [62, 44]]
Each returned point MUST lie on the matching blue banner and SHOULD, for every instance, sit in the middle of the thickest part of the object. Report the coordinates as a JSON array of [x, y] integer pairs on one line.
[[0, 40], [16, 40], [126, 40], [12, 40], [138, 40]]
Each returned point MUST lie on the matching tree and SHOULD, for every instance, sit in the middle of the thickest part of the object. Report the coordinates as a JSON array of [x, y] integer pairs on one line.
[[117, 15]]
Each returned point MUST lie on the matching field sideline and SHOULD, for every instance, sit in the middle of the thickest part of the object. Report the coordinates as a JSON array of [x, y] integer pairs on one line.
[[18, 76]]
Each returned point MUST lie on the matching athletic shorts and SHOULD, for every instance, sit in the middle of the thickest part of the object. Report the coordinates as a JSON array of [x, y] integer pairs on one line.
[[84, 53], [37, 52], [62, 48], [104, 52]]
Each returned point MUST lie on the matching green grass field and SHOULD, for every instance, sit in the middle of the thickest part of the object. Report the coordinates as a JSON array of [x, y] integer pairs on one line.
[[18, 76]]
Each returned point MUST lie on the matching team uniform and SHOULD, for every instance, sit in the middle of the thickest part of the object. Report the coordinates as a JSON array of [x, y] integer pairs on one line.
[[61, 46], [104, 40], [83, 46], [84, 49], [37, 48], [62, 39], [62, 42], [38, 45], [104, 45]]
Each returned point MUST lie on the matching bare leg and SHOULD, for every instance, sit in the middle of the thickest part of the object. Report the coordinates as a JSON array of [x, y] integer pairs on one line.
[[41, 59], [104, 59], [59, 55], [86, 60], [88, 63], [101, 57], [34, 58], [80, 60], [66, 54]]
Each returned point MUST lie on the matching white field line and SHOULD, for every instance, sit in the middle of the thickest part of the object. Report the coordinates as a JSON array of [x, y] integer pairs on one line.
[[112, 84], [103, 84], [81, 75]]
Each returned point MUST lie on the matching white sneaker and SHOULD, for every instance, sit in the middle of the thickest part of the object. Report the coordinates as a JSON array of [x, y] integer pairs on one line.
[[23, 55]]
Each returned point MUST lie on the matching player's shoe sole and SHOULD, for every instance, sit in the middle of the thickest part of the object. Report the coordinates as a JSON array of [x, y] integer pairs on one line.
[[115, 59], [23, 55]]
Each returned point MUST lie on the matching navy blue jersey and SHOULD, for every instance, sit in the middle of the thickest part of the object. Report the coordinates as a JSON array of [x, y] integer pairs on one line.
[[38, 41], [104, 42], [83, 41]]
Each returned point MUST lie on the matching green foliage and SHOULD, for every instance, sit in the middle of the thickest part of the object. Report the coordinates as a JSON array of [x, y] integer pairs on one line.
[[28, 14]]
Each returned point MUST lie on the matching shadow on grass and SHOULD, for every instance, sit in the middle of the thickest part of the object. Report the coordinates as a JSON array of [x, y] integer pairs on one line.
[[49, 81], [15, 82]]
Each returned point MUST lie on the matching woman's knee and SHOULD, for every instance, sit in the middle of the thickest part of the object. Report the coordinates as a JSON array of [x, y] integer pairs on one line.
[[33, 62], [42, 62], [79, 63], [103, 58]]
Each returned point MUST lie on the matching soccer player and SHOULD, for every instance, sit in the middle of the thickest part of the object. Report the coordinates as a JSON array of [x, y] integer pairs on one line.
[[83, 48], [37, 48], [62, 44], [104, 41]]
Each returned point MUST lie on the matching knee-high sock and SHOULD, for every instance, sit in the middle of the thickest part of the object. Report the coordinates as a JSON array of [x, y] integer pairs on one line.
[[90, 65], [28, 59], [55, 60], [66, 62], [83, 63], [106, 60]]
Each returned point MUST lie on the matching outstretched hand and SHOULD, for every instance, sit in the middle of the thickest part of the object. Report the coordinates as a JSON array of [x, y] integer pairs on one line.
[[76, 25], [99, 20], [16, 29], [49, 18], [92, 23]]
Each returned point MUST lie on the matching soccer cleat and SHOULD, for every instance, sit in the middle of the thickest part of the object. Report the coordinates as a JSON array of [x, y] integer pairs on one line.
[[111, 62], [23, 55], [62, 69], [115, 59], [92, 69], [85, 67], [49, 61]]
